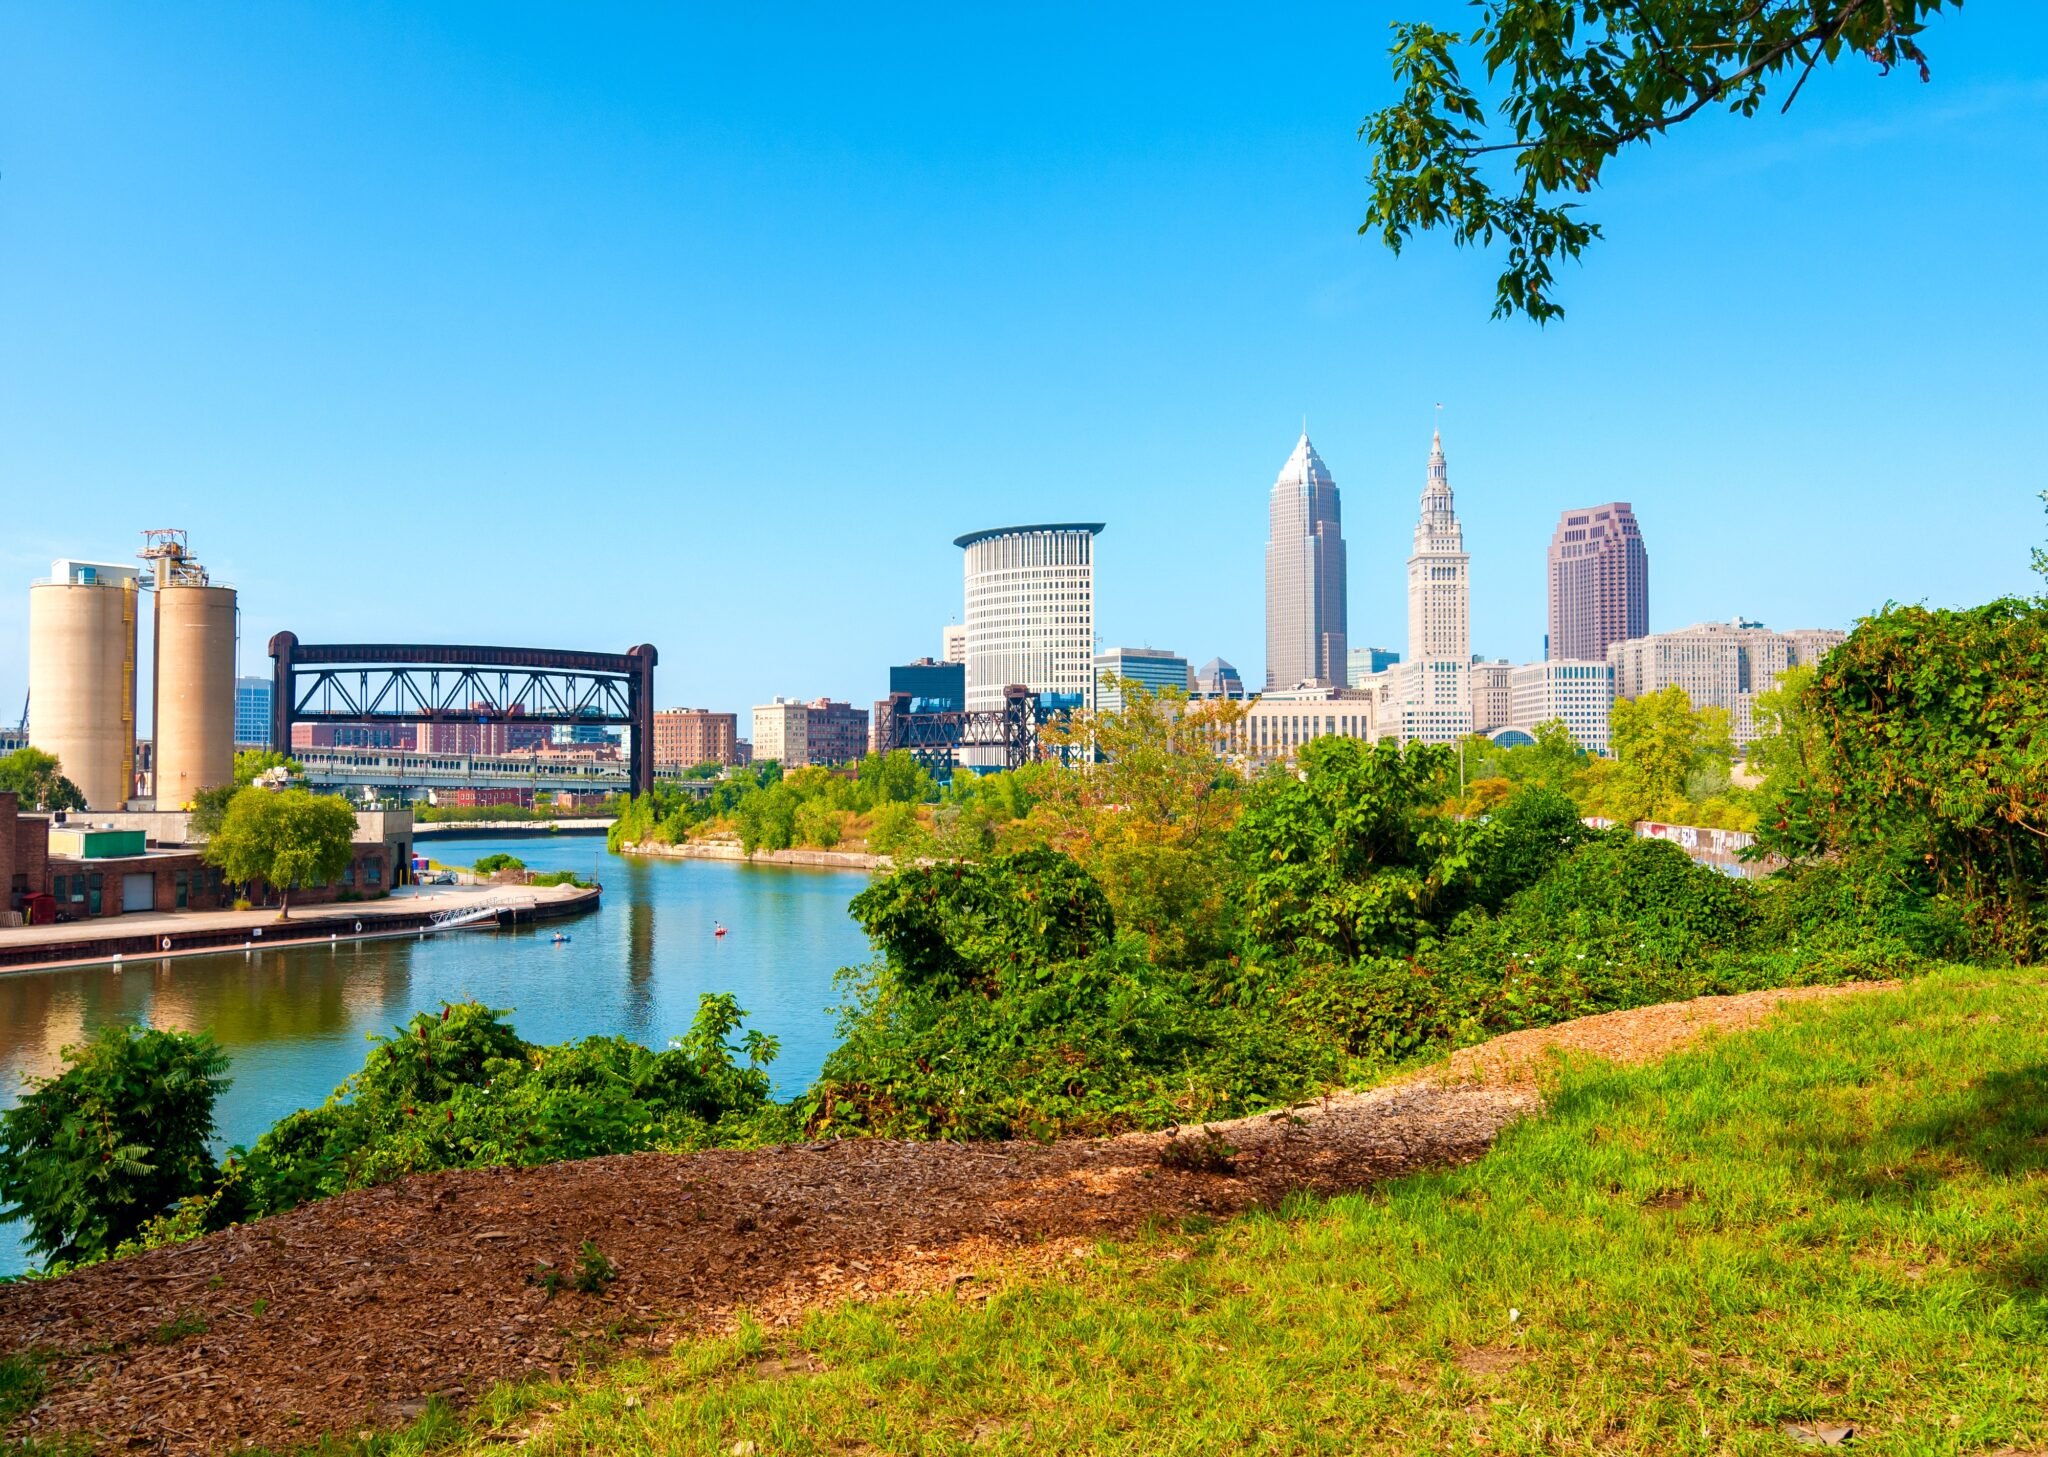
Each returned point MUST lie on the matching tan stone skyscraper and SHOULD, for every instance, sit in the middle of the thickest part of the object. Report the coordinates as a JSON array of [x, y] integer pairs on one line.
[[1305, 586], [1439, 573]]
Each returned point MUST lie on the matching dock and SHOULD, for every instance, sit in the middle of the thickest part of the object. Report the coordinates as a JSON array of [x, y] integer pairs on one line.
[[157, 936]]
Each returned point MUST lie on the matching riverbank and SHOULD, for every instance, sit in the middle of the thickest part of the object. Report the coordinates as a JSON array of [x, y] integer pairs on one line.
[[730, 850], [170, 935]]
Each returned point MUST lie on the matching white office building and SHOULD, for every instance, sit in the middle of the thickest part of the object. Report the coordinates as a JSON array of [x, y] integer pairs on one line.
[[1577, 694], [1031, 613]]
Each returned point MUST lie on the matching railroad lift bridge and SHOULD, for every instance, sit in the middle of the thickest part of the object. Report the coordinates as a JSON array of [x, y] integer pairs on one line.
[[408, 683]]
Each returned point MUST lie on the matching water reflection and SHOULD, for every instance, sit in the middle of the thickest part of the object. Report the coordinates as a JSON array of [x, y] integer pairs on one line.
[[295, 1020]]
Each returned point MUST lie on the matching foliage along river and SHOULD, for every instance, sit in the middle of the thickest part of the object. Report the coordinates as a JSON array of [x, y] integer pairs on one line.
[[295, 1021]]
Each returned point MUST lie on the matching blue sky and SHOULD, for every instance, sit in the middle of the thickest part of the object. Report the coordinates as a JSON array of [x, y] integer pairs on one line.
[[588, 326]]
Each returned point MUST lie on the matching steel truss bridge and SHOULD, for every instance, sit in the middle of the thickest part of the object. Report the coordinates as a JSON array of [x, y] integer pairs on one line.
[[936, 739], [407, 683]]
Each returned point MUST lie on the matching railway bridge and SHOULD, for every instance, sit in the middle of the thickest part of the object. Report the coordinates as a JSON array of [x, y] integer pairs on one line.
[[409, 683]]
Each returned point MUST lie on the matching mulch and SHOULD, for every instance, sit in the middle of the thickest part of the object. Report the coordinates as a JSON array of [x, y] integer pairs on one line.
[[375, 1301]]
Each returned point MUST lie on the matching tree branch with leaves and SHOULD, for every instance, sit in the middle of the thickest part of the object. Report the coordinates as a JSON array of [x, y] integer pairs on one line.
[[1582, 81]]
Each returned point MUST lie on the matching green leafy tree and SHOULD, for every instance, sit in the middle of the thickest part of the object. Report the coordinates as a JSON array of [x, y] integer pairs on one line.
[[90, 1156], [895, 778], [38, 777], [1923, 741], [895, 831], [1556, 758], [1660, 743], [210, 804], [1149, 816], [1347, 858], [817, 824], [1581, 81], [767, 818], [285, 838], [1523, 839]]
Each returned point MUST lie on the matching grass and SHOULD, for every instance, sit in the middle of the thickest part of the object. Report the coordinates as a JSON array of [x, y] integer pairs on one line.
[[22, 1384], [180, 1327], [1838, 1219]]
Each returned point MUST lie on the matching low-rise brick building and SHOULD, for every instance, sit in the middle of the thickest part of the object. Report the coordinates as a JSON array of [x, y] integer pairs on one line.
[[687, 737], [93, 865]]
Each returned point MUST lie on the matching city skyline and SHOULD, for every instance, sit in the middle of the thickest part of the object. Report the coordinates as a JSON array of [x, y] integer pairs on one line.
[[503, 305]]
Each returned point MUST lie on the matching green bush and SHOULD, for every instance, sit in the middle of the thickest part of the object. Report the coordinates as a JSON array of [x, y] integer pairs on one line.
[[462, 1090], [1073, 1047], [89, 1157], [492, 864], [946, 928], [558, 877]]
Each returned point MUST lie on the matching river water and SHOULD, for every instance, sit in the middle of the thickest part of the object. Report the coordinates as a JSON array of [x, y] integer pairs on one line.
[[295, 1021]]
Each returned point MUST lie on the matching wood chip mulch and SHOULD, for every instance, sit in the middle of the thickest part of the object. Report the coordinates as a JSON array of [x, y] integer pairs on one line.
[[348, 1314]]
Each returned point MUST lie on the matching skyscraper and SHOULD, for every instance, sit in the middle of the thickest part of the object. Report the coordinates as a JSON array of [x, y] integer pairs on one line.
[[1599, 582], [1305, 590], [1031, 613], [1439, 573]]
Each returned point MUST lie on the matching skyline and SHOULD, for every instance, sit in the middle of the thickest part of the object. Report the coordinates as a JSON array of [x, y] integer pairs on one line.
[[265, 271]]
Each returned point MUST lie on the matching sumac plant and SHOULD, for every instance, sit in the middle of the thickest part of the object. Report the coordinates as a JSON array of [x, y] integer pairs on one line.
[[90, 1156]]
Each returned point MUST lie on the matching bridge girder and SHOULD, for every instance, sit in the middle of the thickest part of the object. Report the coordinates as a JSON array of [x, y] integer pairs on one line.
[[392, 683]]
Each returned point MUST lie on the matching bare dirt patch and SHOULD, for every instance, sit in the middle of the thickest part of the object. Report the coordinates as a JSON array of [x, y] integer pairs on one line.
[[357, 1309]]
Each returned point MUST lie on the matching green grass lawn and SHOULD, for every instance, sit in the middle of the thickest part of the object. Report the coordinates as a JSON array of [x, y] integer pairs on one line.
[[1836, 1220]]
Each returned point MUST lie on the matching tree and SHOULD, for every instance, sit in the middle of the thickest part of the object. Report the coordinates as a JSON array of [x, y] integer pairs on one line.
[[283, 837], [1147, 813], [1346, 859], [1585, 80], [1555, 758], [1659, 743], [895, 778], [817, 823], [959, 927], [211, 803], [119, 1137], [38, 777]]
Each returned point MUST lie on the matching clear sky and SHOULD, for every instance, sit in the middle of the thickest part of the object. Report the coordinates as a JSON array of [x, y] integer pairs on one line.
[[586, 326]]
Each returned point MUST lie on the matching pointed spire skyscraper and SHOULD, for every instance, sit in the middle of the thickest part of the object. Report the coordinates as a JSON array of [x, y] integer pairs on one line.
[[1439, 573], [1305, 586]]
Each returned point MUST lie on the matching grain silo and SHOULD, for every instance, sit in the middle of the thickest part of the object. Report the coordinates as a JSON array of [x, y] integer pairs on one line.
[[81, 675], [193, 713]]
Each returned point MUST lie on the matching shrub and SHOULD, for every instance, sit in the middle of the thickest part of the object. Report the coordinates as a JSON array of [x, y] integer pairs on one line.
[[461, 1090], [91, 1155], [1925, 737], [950, 927], [1528, 834], [492, 864]]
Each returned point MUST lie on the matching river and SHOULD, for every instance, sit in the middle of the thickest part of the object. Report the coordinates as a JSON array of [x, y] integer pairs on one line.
[[295, 1021]]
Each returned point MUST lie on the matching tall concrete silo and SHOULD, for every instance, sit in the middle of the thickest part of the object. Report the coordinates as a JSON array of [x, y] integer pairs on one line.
[[194, 706], [81, 675]]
